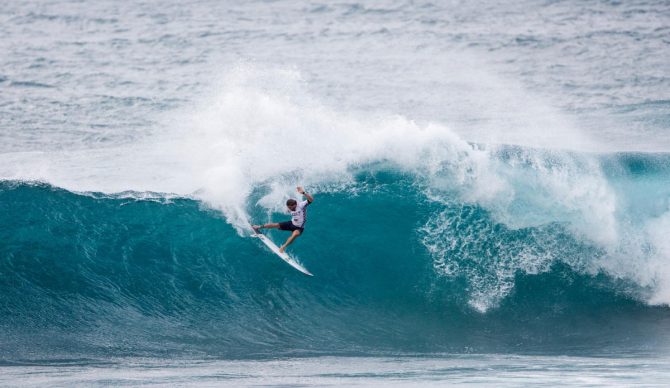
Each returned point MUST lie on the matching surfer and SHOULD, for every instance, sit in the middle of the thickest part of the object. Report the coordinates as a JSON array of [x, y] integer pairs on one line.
[[296, 225]]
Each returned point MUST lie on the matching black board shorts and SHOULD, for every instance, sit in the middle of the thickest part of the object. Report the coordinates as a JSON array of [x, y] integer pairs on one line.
[[288, 225]]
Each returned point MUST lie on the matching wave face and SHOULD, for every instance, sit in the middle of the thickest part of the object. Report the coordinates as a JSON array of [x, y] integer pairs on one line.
[[402, 264]]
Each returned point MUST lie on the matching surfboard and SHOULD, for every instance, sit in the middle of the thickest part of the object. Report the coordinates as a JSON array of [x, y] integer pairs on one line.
[[284, 256]]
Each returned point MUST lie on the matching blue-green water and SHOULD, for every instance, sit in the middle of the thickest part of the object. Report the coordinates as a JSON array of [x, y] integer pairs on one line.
[[108, 276]]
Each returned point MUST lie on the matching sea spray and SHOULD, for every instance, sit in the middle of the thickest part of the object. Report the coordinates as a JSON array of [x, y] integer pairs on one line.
[[262, 131]]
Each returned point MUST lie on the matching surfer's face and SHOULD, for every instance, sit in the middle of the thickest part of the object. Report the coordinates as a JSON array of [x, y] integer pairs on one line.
[[291, 207]]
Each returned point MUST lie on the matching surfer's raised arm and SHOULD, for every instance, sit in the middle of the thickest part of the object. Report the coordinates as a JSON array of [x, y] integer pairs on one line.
[[302, 191]]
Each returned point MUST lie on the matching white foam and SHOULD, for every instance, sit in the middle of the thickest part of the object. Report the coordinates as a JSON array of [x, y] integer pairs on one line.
[[658, 230]]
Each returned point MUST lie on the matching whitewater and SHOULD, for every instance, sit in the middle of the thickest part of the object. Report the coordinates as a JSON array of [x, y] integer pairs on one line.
[[491, 182]]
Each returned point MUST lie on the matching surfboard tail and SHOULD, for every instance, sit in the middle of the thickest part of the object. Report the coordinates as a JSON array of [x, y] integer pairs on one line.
[[282, 255]]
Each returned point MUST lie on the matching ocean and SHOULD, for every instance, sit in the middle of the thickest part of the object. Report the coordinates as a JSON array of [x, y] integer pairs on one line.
[[491, 187]]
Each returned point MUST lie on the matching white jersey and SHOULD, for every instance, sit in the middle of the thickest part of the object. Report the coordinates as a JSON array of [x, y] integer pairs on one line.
[[299, 215]]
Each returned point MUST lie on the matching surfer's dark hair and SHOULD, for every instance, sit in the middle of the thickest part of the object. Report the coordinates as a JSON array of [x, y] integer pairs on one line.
[[291, 202]]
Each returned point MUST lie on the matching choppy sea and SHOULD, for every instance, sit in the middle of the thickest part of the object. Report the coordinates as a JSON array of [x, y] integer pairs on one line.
[[491, 184]]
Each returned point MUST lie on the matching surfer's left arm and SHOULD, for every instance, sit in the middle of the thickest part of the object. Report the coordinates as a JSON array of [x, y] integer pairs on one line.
[[302, 191]]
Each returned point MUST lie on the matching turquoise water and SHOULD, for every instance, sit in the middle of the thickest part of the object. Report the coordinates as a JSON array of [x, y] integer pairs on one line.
[[491, 182]]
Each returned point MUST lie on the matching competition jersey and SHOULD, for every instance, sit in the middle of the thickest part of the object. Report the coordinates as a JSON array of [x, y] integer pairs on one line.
[[299, 215]]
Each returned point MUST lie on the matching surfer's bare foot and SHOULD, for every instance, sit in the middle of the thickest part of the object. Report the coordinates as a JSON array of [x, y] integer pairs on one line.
[[282, 249], [256, 228]]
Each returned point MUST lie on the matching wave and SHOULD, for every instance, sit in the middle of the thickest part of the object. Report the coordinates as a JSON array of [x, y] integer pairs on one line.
[[419, 239], [136, 274]]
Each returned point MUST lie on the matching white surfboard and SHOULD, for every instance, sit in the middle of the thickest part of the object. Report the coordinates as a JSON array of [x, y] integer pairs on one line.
[[284, 256]]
